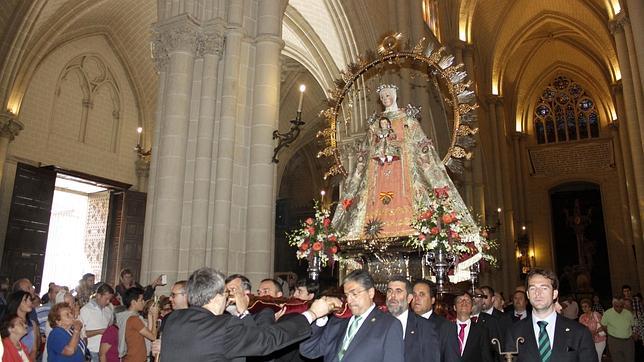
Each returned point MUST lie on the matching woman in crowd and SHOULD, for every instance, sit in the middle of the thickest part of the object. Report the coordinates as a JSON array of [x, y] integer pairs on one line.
[[109, 351], [12, 329], [591, 320], [20, 304], [64, 343]]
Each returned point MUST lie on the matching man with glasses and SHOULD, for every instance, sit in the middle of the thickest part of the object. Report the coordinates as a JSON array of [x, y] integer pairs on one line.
[[178, 296], [548, 336], [369, 335], [421, 338]]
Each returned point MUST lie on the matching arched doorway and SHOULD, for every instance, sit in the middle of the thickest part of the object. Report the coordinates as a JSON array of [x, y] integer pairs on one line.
[[579, 239]]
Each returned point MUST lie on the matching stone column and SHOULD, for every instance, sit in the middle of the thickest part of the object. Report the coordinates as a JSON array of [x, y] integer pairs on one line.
[[211, 46], [226, 144], [10, 127], [177, 37], [261, 193], [632, 122], [142, 169], [636, 14]]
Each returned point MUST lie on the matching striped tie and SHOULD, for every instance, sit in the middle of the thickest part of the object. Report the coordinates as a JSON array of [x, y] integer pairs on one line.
[[544, 342], [351, 332]]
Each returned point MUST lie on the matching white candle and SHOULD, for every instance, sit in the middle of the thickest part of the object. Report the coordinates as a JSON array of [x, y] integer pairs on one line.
[[299, 105], [139, 130]]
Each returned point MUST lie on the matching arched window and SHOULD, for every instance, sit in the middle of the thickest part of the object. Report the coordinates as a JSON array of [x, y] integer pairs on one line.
[[564, 112]]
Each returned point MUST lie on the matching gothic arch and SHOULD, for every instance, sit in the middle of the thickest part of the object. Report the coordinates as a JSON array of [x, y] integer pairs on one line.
[[504, 50]]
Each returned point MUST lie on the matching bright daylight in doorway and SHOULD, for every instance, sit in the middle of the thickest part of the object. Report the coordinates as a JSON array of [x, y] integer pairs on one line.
[[77, 226]]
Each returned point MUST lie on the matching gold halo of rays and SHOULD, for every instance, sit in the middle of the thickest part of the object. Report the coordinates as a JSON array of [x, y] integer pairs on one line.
[[457, 93]]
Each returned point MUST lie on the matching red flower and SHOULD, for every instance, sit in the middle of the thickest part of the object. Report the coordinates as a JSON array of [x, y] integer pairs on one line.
[[434, 230], [333, 238], [421, 237], [346, 203], [333, 250], [317, 246], [447, 218], [311, 230], [326, 222], [441, 192], [309, 221], [304, 246], [454, 235], [426, 215]]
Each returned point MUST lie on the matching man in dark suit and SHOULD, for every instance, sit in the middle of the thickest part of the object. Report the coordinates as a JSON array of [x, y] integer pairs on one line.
[[203, 333], [368, 336], [548, 336], [421, 338], [423, 303], [496, 322], [520, 307], [464, 340]]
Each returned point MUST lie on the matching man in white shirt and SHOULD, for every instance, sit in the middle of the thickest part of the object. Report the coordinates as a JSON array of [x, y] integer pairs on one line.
[[421, 338], [549, 337], [96, 316], [369, 335], [423, 303]]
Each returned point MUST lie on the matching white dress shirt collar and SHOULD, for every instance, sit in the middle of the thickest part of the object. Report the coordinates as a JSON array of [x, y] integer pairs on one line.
[[550, 328], [428, 314], [403, 320]]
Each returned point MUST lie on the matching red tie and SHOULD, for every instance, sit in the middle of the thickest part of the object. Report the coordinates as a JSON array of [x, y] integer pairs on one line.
[[474, 319], [461, 337]]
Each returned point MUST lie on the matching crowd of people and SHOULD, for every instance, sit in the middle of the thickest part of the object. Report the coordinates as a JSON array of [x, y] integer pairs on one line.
[[209, 317]]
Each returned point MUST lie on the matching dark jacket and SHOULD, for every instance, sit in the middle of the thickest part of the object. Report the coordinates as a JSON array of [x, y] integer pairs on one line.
[[195, 334], [572, 342], [421, 340], [477, 345], [379, 339]]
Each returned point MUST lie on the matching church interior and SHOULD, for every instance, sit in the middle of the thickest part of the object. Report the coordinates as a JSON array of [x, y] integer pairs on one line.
[[169, 108]]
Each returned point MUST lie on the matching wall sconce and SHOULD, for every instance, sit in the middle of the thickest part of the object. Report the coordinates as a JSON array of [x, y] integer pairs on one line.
[[285, 139], [525, 255], [140, 152], [494, 227]]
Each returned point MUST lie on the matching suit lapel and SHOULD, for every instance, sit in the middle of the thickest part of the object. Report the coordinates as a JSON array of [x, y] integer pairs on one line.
[[371, 319], [560, 339], [411, 332], [530, 343], [342, 326]]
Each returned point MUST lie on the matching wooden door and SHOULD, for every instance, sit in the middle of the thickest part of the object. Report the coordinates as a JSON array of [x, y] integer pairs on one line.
[[125, 234], [26, 239]]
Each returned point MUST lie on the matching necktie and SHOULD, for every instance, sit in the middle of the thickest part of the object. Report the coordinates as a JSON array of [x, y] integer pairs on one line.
[[461, 337], [474, 319], [351, 332], [519, 315], [544, 342]]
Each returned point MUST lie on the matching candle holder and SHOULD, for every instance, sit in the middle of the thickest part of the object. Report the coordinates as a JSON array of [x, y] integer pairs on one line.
[[440, 262], [285, 139], [508, 354]]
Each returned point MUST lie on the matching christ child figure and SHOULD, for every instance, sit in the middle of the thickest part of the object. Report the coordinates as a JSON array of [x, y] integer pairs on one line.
[[387, 148]]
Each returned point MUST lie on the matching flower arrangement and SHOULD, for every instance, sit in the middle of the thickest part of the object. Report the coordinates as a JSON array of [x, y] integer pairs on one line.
[[440, 227], [316, 237]]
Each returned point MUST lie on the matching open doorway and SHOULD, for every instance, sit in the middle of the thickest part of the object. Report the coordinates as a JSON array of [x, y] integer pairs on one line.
[[77, 231]]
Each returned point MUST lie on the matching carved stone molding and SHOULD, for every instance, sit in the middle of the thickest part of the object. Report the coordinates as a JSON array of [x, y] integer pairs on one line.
[[211, 44], [616, 25], [142, 167], [494, 99], [181, 33], [9, 126]]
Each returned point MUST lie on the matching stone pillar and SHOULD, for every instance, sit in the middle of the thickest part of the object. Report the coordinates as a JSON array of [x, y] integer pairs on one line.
[[142, 169], [632, 122], [9, 129], [635, 71], [636, 14], [211, 46], [226, 146], [266, 93], [177, 38]]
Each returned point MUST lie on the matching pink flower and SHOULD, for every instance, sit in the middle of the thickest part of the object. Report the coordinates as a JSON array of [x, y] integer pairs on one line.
[[326, 222], [309, 221], [447, 218], [333, 250], [426, 215], [311, 230], [317, 246], [333, 238], [304, 246], [434, 230], [422, 237]]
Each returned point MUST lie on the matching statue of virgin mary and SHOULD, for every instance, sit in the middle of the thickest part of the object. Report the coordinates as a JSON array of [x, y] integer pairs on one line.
[[396, 173]]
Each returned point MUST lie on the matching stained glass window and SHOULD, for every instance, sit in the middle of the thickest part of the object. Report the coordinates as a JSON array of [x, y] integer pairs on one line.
[[565, 112]]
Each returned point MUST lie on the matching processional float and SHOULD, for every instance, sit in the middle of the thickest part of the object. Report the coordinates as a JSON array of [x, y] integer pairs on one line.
[[420, 228]]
